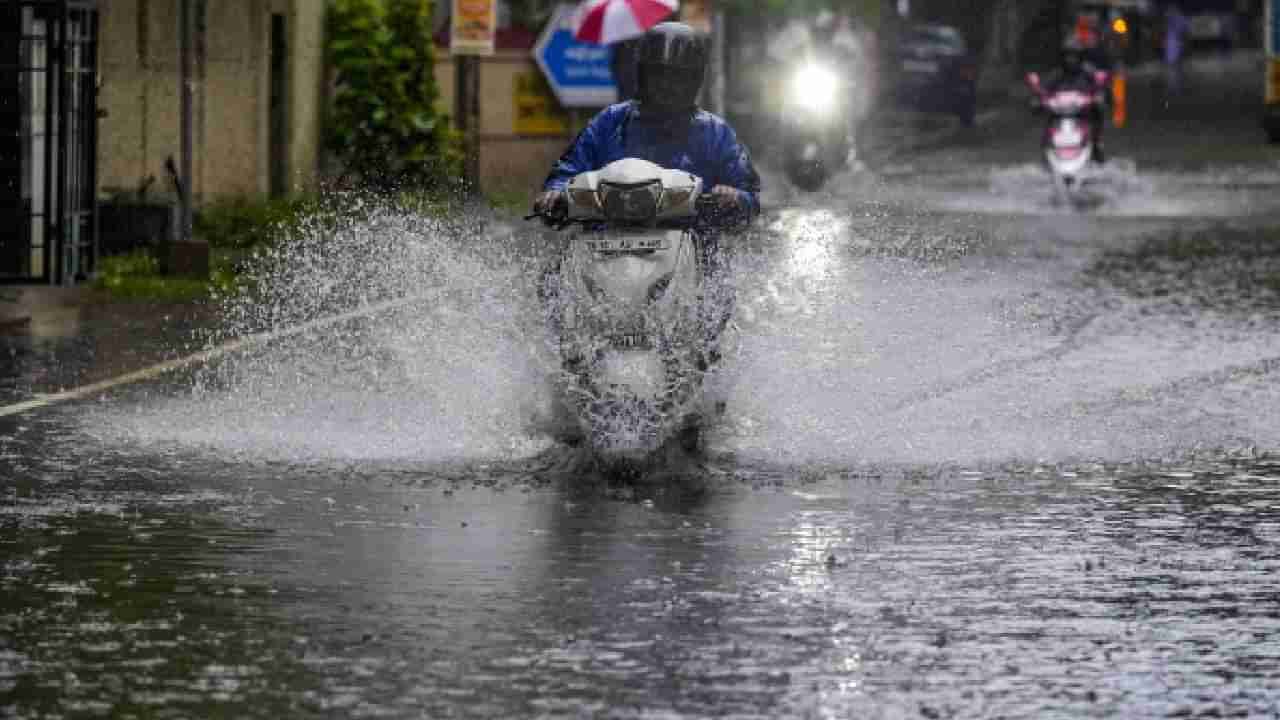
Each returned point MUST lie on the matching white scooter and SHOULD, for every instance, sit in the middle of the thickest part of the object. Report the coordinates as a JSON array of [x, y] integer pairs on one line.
[[815, 124], [637, 307], [1069, 138]]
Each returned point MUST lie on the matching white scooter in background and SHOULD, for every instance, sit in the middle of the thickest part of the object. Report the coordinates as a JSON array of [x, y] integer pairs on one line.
[[1069, 140], [637, 308], [815, 124]]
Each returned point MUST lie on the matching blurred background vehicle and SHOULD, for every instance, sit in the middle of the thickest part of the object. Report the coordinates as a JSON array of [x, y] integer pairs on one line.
[[932, 69], [1213, 26], [815, 126]]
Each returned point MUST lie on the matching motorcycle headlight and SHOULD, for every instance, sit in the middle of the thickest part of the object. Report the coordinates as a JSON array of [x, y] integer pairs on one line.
[[815, 87], [631, 203]]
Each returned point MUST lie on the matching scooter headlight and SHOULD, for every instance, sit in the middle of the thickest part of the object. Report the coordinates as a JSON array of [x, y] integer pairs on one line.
[[815, 87], [631, 203]]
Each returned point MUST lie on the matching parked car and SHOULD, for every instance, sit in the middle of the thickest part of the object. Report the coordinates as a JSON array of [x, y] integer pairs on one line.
[[932, 69], [1216, 30]]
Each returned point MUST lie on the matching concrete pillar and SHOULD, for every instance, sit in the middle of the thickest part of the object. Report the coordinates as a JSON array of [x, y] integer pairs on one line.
[[307, 91]]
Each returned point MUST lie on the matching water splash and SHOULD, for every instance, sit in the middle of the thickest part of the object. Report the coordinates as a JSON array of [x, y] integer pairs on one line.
[[1117, 189], [885, 333], [439, 357], [946, 338]]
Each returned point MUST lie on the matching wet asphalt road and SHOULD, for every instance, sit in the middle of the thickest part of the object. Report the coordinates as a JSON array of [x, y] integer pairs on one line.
[[982, 458]]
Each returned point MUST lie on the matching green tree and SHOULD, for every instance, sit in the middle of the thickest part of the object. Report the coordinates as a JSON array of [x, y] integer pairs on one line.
[[384, 127]]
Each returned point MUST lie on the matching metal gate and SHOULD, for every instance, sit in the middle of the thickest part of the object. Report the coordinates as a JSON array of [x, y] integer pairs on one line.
[[48, 140]]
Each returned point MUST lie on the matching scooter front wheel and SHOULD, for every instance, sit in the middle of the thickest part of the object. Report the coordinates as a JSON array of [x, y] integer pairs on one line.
[[808, 176]]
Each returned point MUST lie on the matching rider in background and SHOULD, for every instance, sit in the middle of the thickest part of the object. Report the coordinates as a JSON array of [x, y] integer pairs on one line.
[[1077, 72], [833, 39], [1175, 38], [664, 125]]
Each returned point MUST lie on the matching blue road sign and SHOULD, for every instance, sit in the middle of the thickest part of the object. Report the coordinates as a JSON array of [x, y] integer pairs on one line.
[[1275, 28], [578, 72]]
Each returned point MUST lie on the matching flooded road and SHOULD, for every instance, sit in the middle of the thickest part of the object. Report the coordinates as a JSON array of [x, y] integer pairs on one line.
[[976, 469], [981, 457], [144, 585]]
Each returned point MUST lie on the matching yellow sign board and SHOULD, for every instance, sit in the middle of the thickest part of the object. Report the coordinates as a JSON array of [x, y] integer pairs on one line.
[[537, 112], [474, 27]]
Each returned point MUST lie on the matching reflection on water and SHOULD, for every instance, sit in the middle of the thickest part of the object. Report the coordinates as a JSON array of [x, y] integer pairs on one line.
[[143, 585], [932, 496], [1119, 189]]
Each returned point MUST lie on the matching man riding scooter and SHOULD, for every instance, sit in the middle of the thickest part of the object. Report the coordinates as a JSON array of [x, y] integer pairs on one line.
[[665, 125], [639, 327]]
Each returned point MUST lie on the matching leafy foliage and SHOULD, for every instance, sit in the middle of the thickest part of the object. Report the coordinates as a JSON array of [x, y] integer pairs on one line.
[[384, 126], [136, 276], [235, 228], [242, 223]]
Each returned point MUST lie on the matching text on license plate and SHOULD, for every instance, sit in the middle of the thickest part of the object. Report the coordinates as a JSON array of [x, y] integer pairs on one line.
[[626, 243]]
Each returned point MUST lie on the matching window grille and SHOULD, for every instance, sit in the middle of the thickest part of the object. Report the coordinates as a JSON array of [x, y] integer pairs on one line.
[[48, 140]]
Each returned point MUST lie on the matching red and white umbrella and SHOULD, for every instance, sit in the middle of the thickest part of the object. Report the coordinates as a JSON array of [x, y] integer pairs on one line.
[[608, 21]]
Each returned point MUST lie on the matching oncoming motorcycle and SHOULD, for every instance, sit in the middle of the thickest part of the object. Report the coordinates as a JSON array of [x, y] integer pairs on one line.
[[815, 119], [637, 305], [1069, 142]]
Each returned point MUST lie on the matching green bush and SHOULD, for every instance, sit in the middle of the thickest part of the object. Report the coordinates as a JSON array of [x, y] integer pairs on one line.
[[136, 276], [384, 127], [242, 223]]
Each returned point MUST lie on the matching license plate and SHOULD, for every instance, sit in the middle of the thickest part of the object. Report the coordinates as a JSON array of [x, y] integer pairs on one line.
[[626, 243], [920, 66], [631, 341]]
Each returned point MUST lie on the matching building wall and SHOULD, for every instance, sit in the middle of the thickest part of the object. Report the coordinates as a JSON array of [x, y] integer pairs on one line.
[[140, 66], [230, 97], [139, 61], [511, 160]]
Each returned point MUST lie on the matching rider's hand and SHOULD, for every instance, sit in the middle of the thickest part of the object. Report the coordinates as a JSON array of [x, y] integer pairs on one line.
[[727, 198], [551, 202]]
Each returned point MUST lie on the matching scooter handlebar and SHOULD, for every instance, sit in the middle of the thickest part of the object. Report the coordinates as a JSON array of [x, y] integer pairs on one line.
[[558, 216]]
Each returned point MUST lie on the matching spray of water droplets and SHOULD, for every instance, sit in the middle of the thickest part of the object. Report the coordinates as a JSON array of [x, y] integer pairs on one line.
[[890, 335], [391, 333]]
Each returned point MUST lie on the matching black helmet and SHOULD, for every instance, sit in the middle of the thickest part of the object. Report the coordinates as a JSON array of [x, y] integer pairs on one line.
[[672, 63]]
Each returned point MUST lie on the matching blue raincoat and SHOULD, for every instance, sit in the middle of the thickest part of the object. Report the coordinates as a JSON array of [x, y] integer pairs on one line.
[[703, 145]]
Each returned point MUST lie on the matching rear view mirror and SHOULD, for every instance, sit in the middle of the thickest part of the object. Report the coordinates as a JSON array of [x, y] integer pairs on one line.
[[1033, 79]]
